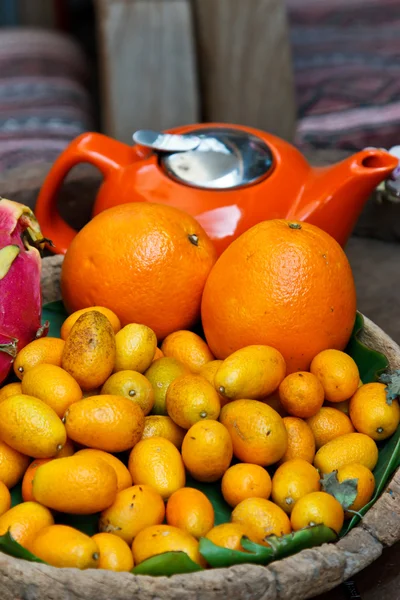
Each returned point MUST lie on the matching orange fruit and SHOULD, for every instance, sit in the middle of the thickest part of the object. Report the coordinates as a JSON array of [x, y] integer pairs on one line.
[[260, 518], [251, 372], [147, 262], [161, 374], [89, 352], [64, 546], [301, 394], [115, 554], [208, 371], [30, 426], [371, 413], [190, 510], [293, 480], [71, 320], [133, 509], [300, 443], [11, 389], [109, 423], [158, 354], [135, 348], [5, 498], [345, 450], [282, 283], [13, 465], [165, 427], [207, 450], [189, 348], [338, 374], [157, 462], [365, 484], [24, 521], [90, 393], [243, 481], [327, 424], [317, 508], [53, 385], [274, 402], [258, 433], [190, 398], [342, 406], [27, 481], [47, 350], [158, 539], [67, 450], [227, 535], [124, 479], [134, 386], [81, 484]]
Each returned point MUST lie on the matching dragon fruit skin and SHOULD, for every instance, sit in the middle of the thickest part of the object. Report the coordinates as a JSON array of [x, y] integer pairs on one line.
[[20, 293]]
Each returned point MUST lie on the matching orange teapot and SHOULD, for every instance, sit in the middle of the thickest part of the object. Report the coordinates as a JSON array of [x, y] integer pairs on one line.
[[229, 177]]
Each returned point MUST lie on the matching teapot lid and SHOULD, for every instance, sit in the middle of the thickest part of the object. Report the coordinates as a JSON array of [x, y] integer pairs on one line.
[[212, 158]]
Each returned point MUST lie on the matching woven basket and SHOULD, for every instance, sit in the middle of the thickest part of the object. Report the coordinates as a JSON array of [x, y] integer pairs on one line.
[[308, 573]]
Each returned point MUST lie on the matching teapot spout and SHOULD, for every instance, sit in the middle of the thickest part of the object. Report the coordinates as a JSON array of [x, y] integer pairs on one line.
[[333, 197]]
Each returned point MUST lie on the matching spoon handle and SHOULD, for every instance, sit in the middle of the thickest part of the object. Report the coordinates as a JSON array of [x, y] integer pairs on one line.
[[165, 142]]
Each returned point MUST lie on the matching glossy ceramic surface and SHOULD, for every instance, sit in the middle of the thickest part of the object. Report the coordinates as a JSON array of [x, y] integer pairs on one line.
[[330, 197]]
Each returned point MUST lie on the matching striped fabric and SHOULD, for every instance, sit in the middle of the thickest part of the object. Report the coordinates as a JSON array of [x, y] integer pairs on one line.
[[346, 56], [44, 103]]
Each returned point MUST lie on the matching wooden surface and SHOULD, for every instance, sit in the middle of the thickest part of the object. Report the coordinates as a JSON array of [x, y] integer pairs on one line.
[[172, 62], [245, 64], [149, 75]]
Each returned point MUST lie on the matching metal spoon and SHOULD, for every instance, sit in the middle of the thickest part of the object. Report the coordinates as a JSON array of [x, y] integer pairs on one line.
[[165, 142]]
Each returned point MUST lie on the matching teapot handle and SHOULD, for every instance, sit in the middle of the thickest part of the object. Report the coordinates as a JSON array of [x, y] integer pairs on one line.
[[106, 154]]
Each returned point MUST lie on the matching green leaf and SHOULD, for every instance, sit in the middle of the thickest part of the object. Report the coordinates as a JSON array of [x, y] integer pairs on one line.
[[370, 362], [167, 564], [222, 510], [279, 547], [16, 495], [86, 523], [345, 492], [300, 540], [393, 385], [219, 557], [55, 313], [9, 546]]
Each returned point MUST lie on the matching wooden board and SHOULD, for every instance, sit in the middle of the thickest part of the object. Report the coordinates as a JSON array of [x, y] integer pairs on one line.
[[149, 75], [245, 64]]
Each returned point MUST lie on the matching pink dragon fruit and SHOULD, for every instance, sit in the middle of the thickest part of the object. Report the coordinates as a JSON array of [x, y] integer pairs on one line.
[[20, 293]]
